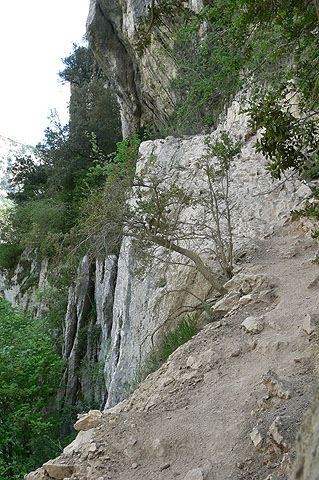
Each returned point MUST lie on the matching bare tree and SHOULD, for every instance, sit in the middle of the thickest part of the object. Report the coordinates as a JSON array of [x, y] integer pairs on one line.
[[192, 219]]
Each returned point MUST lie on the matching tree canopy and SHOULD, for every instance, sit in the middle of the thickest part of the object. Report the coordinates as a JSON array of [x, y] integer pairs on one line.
[[29, 376]]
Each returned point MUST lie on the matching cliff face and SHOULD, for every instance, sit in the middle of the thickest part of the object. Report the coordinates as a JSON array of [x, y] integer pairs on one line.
[[228, 403], [113, 314], [140, 73]]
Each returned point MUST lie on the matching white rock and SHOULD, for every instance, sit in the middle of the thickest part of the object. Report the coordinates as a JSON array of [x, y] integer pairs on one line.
[[39, 474], [276, 387], [256, 437], [245, 300], [88, 420], [275, 432], [245, 283], [253, 325], [311, 323], [82, 438], [195, 474], [229, 301], [92, 448], [58, 471]]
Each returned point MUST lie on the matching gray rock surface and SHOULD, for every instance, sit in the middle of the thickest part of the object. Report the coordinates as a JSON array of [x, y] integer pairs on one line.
[[306, 466], [132, 311], [141, 305], [140, 74]]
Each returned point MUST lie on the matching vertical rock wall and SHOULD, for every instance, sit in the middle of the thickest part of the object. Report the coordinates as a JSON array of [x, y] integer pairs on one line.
[[140, 74], [114, 315], [261, 206]]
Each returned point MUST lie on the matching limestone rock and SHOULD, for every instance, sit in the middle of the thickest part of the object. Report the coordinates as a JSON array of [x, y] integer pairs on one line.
[[276, 433], [82, 438], [229, 301], [39, 474], [195, 474], [256, 437], [245, 283], [113, 29], [88, 420], [253, 325], [58, 471], [311, 323], [275, 386]]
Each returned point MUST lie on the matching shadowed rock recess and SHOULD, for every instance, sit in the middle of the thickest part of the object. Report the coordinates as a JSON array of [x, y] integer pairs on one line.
[[140, 74], [228, 404]]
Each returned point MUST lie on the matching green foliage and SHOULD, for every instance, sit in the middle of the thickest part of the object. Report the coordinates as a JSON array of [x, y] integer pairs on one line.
[[120, 163], [80, 66], [29, 376], [48, 190], [106, 206], [237, 45], [10, 254], [287, 141], [168, 343]]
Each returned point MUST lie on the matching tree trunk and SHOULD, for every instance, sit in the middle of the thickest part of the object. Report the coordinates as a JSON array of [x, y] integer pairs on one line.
[[162, 242]]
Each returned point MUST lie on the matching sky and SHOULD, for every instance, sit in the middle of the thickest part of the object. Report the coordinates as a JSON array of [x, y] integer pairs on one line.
[[34, 36]]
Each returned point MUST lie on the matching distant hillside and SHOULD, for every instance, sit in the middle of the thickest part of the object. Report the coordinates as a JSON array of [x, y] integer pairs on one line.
[[9, 149]]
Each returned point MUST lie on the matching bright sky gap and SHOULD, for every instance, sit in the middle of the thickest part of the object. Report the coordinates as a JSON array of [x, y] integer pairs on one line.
[[34, 37]]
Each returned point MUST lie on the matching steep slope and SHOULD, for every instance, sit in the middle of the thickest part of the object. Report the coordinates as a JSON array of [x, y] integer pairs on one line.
[[104, 346], [228, 403]]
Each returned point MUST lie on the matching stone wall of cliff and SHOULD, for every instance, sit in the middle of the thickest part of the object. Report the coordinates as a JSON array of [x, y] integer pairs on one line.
[[112, 313], [140, 74]]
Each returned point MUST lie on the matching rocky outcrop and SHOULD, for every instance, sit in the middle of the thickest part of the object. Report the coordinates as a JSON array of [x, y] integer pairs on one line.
[[220, 407], [119, 34], [306, 466], [86, 333], [115, 315], [142, 305]]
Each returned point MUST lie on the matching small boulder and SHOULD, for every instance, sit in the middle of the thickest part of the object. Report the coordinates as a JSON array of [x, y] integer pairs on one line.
[[58, 471], [276, 433], [229, 301], [39, 474], [245, 283], [88, 420], [311, 323], [253, 325], [275, 386], [256, 437]]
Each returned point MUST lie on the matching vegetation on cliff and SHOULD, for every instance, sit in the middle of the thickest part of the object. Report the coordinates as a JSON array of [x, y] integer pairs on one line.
[[73, 199], [47, 193], [30, 372]]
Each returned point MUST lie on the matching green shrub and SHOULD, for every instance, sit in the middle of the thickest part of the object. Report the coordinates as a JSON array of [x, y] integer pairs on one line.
[[29, 375], [170, 341], [9, 256]]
